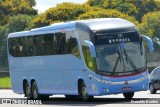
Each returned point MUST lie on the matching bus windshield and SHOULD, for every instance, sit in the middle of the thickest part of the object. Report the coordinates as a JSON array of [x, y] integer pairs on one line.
[[120, 53]]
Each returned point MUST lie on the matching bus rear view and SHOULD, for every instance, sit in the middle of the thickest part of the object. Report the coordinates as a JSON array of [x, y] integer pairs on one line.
[[106, 56]]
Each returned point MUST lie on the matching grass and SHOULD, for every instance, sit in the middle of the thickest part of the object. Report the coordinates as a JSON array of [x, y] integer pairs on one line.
[[5, 82]]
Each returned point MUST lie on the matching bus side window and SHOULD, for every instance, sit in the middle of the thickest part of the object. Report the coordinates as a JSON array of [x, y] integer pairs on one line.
[[12, 46], [16, 51], [60, 43], [21, 46], [48, 44], [28, 47], [38, 45], [72, 45]]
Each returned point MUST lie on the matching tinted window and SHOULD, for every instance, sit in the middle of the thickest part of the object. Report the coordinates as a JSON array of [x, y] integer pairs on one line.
[[60, 42], [27, 46], [43, 45], [46, 44], [13, 46], [22, 46], [71, 44]]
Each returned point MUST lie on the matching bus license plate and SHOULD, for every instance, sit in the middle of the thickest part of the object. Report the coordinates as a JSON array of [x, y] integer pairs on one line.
[[126, 88]]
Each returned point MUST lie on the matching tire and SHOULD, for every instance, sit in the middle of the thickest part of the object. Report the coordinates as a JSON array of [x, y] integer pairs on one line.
[[152, 90], [27, 91], [35, 93], [83, 92], [128, 96]]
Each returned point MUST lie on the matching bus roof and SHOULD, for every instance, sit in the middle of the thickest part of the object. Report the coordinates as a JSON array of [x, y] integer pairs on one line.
[[92, 24]]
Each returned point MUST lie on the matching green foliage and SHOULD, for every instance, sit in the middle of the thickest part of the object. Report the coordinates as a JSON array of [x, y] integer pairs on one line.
[[109, 13], [24, 7], [145, 6], [39, 21], [14, 7], [15, 24], [5, 82], [97, 3], [12, 20], [62, 12], [3, 47], [19, 23], [70, 11], [151, 24], [135, 8]]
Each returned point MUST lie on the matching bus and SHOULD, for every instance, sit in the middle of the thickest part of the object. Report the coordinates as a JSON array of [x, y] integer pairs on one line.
[[84, 58]]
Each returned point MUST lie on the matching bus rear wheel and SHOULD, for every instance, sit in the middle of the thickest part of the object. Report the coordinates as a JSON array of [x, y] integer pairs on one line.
[[128, 96], [27, 91], [35, 93]]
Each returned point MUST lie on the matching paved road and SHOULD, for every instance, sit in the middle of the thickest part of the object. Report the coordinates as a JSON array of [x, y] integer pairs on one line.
[[99, 101]]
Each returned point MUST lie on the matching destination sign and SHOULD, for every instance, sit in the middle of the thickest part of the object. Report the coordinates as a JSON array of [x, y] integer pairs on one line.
[[102, 39]]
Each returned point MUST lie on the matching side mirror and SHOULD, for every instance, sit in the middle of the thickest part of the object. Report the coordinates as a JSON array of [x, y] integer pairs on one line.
[[150, 43], [91, 47]]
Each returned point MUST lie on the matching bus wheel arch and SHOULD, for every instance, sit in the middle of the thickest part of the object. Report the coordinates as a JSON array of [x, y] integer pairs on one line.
[[82, 91], [79, 85], [32, 80], [27, 89]]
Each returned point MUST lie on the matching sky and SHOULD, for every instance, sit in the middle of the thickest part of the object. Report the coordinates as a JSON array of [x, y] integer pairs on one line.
[[43, 5]]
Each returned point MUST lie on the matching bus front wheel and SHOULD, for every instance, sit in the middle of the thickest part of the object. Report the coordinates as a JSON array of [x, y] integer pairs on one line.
[[83, 92], [128, 96]]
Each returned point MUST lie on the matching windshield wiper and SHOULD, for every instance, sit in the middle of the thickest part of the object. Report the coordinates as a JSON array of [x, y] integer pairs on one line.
[[128, 59], [117, 60]]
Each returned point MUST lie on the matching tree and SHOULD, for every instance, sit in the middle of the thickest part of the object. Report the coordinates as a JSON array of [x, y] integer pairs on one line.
[[14, 7], [62, 12], [3, 47], [39, 21], [97, 3], [134, 8], [145, 6], [19, 23], [150, 26], [15, 24], [24, 7], [109, 13]]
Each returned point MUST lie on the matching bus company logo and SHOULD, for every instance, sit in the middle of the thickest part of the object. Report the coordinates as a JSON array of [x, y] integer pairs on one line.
[[119, 40], [33, 62]]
